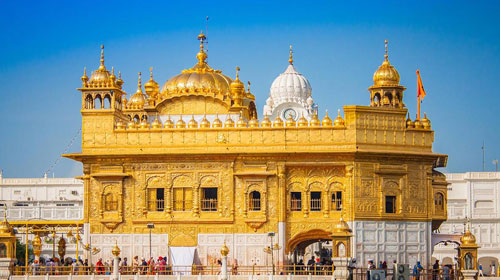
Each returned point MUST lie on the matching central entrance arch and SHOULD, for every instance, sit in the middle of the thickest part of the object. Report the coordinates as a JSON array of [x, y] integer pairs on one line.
[[297, 247], [303, 239]]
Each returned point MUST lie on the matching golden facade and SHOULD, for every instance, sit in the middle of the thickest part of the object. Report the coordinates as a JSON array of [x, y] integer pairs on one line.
[[194, 159]]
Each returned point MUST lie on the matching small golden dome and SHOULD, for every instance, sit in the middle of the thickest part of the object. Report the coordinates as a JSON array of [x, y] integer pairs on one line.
[[217, 122], [426, 123], [237, 87], [100, 77], [152, 88], [341, 226], [254, 122], [339, 121], [192, 123], [5, 226], [315, 120], [224, 251], [386, 74], [278, 122], [241, 122], [326, 120], [418, 123], [144, 124], [168, 123], [112, 77], [119, 82], [180, 123], [120, 125], [84, 78], [131, 124], [116, 250], [204, 122], [409, 122], [290, 122], [156, 123], [249, 95], [266, 122], [138, 99], [229, 122], [302, 122], [468, 238]]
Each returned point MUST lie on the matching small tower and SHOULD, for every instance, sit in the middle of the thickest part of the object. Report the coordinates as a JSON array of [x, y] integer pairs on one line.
[[386, 91], [468, 251], [102, 90], [341, 239], [7, 247]]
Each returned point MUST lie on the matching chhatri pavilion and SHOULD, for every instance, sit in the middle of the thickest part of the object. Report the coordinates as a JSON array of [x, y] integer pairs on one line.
[[193, 164]]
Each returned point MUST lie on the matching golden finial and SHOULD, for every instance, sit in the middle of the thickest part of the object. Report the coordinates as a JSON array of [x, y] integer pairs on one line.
[[151, 72], [237, 73], [102, 57], [248, 83], [290, 59], [85, 78], [202, 39], [120, 75], [224, 251], [202, 56], [139, 84], [386, 52], [116, 250]]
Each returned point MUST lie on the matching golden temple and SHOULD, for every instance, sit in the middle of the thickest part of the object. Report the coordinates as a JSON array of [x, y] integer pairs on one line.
[[194, 160]]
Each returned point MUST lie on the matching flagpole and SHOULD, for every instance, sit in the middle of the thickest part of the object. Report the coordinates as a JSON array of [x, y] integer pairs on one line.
[[418, 106]]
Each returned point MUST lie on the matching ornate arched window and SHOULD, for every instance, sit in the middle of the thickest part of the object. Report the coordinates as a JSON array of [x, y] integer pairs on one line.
[[110, 202], [98, 102], [254, 201], [439, 201], [156, 194], [107, 102], [89, 102], [182, 194], [336, 201]]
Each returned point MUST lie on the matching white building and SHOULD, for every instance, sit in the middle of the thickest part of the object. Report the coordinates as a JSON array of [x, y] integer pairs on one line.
[[39, 200], [290, 95], [474, 196]]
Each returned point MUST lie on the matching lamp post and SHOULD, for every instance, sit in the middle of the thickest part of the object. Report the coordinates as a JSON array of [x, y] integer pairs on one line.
[[270, 249], [150, 227]]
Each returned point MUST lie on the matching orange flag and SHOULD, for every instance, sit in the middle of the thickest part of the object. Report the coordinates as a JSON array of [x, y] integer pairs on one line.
[[420, 87]]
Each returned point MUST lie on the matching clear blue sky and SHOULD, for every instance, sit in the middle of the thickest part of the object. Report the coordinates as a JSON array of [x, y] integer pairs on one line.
[[338, 46]]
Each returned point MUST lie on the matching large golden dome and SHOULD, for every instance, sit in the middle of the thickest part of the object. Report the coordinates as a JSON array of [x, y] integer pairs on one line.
[[386, 74], [201, 78]]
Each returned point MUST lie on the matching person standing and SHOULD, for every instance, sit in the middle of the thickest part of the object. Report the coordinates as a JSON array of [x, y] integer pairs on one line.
[[435, 270], [417, 270], [446, 272], [481, 270]]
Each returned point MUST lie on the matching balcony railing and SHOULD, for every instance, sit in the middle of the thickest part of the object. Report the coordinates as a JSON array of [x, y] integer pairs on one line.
[[22, 213], [337, 205], [209, 204], [316, 204], [254, 204], [183, 205], [156, 205], [296, 204]]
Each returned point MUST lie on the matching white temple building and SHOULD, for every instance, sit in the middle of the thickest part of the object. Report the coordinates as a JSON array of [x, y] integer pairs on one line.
[[290, 95], [42, 199], [473, 197]]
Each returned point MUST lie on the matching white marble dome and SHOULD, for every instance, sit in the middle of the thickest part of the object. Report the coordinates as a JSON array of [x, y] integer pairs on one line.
[[290, 86]]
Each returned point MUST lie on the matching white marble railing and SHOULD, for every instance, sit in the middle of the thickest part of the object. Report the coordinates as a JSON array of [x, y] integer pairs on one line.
[[56, 213]]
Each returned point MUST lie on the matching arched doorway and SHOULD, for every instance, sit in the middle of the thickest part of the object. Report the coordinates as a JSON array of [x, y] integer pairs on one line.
[[487, 263], [314, 243]]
